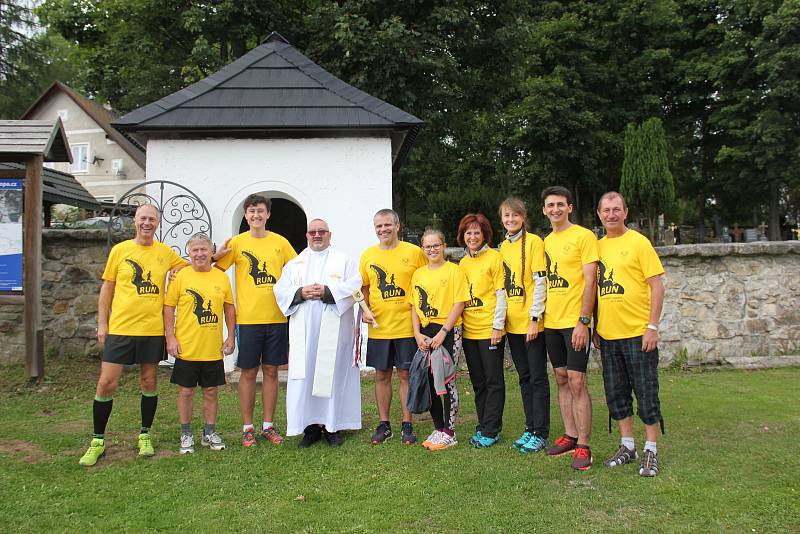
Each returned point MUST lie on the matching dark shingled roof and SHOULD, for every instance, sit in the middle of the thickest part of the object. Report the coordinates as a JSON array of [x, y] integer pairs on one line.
[[273, 87], [22, 139], [59, 187]]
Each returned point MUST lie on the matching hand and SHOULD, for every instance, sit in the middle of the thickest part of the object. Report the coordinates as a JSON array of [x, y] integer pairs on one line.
[[580, 336], [438, 339], [173, 347], [312, 292], [229, 345], [497, 335], [649, 340], [423, 342], [533, 331], [174, 271], [368, 317], [223, 250], [596, 340], [102, 333]]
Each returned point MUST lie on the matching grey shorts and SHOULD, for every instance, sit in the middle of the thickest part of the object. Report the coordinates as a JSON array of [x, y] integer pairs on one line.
[[627, 369], [128, 350]]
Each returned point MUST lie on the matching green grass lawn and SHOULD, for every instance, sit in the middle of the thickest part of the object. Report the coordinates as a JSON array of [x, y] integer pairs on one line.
[[729, 462]]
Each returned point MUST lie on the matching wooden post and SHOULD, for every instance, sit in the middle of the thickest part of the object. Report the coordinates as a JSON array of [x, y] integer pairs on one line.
[[32, 269]]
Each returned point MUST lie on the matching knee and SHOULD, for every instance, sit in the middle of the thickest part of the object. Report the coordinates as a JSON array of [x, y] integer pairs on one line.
[[106, 386], [210, 393], [562, 379], [148, 383], [383, 377], [270, 371], [577, 382], [186, 393], [249, 374], [402, 374]]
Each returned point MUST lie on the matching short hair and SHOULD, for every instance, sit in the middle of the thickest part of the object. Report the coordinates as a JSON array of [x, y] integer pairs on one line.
[[199, 236], [387, 211], [433, 231], [514, 204], [320, 220], [609, 196], [255, 200], [474, 219], [147, 205], [558, 191]]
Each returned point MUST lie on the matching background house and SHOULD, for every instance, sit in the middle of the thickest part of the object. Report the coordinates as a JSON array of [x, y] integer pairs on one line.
[[104, 161]]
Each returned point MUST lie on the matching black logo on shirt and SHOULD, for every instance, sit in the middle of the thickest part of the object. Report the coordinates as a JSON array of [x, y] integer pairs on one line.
[[474, 302], [606, 282], [553, 280], [388, 288], [201, 310], [260, 274], [427, 309], [144, 286], [512, 289]]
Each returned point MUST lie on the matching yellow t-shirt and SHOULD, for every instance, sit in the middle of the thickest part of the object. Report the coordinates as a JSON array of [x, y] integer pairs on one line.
[[138, 273], [484, 277], [566, 253], [388, 275], [433, 292], [623, 305], [259, 263], [519, 296], [198, 298]]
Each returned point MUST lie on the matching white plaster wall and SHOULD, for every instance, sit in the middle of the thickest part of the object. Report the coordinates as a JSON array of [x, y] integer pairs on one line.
[[344, 181]]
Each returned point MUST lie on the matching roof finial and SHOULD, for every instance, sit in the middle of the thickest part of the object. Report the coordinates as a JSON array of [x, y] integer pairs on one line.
[[275, 36]]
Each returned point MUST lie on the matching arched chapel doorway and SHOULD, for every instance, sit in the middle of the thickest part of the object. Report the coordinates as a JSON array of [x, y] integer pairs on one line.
[[287, 219]]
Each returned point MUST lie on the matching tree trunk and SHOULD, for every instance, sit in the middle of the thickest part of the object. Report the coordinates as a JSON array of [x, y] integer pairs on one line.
[[774, 213], [700, 229]]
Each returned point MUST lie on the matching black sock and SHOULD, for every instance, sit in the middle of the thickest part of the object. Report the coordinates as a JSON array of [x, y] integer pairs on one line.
[[101, 411], [149, 404]]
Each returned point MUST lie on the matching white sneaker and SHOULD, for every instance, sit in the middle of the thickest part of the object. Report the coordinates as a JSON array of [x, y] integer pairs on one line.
[[187, 444], [433, 439], [445, 442], [213, 441]]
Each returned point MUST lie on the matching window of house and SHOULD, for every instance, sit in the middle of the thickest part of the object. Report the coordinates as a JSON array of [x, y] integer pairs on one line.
[[80, 158]]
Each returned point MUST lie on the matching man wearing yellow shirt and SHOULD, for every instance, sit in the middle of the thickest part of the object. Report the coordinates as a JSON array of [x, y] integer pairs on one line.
[[629, 303], [130, 326], [203, 298], [386, 271], [571, 258], [263, 331]]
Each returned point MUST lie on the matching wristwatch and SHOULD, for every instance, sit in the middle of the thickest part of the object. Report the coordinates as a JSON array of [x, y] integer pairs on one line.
[[534, 318], [585, 320]]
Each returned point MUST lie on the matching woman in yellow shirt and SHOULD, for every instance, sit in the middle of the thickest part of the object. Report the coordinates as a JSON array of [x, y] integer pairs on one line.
[[484, 321], [439, 293], [525, 276]]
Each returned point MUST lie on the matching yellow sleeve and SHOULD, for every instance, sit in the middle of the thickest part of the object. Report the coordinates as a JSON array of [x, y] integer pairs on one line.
[[411, 297], [649, 260], [421, 259], [173, 291], [498, 275], [588, 244], [362, 267], [460, 286], [538, 264], [110, 272], [228, 291], [227, 260], [288, 251], [175, 260]]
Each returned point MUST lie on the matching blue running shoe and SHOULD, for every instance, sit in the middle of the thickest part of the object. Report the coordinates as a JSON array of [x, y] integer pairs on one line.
[[475, 437], [484, 442], [523, 439], [535, 444]]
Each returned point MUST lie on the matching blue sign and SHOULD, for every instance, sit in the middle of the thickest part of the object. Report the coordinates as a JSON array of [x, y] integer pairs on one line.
[[11, 200]]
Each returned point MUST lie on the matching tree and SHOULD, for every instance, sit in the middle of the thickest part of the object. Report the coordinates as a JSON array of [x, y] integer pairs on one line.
[[646, 179]]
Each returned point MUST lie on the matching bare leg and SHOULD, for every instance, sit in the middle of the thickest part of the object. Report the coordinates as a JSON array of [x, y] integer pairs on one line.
[[148, 374], [210, 396], [565, 401], [109, 379], [651, 432], [247, 394], [185, 402], [383, 392], [402, 374], [581, 405], [626, 427], [269, 390]]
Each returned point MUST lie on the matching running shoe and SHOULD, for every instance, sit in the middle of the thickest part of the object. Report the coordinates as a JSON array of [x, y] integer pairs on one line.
[[249, 438], [484, 442], [649, 467], [445, 441], [582, 459], [535, 444], [434, 438], [187, 444], [475, 437], [522, 440], [407, 436], [382, 433], [213, 441], [95, 451], [272, 436], [623, 456], [562, 446], [145, 446]]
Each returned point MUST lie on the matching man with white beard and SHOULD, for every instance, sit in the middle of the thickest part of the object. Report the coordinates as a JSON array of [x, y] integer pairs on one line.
[[315, 291]]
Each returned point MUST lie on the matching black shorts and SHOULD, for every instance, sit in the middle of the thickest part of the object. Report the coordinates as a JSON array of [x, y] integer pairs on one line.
[[626, 369], [383, 354], [262, 344], [128, 350], [206, 374], [559, 348]]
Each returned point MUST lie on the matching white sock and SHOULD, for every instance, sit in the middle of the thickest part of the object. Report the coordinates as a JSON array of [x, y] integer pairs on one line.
[[266, 425], [245, 428], [629, 443], [651, 445]]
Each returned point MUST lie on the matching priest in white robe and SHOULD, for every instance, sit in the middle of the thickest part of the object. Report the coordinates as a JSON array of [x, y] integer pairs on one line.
[[315, 291]]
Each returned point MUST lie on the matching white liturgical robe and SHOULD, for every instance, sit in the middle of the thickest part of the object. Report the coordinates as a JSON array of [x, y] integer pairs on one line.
[[323, 386]]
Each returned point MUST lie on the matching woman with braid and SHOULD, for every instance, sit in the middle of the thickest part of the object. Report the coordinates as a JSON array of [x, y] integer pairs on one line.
[[524, 279]]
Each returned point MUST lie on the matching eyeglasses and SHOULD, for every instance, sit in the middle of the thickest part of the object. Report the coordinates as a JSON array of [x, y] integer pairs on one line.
[[318, 232], [432, 247]]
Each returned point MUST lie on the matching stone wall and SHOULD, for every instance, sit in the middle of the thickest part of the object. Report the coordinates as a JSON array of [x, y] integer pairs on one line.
[[725, 303]]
